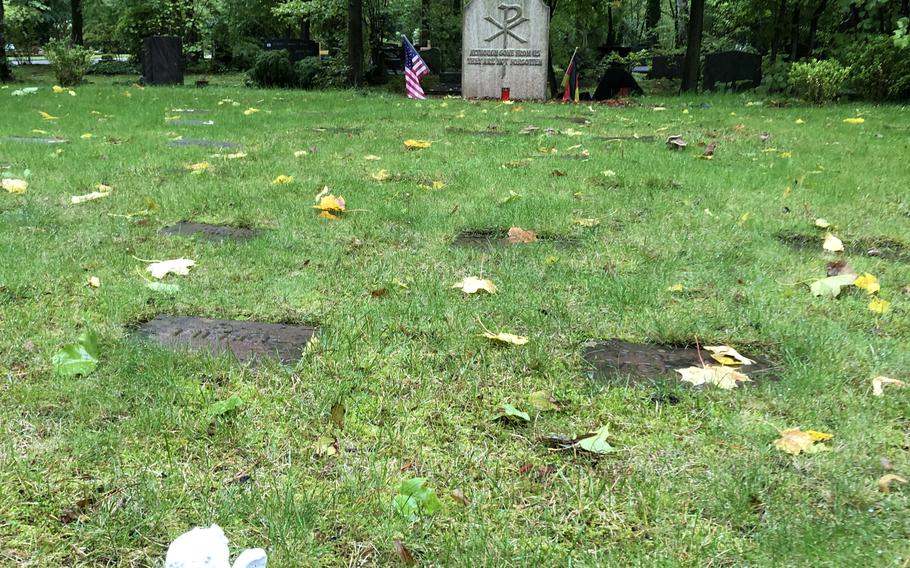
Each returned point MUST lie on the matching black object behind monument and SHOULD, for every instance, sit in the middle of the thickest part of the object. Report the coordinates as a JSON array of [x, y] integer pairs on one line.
[[614, 81], [666, 67], [162, 60], [730, 67], [297, 48]]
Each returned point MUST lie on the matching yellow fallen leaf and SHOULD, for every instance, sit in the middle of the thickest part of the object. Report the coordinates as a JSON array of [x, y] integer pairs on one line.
[[438, 184], [518, 235], [179, 266], [250, 111], [727, 355], [37, 131], [879, 306], [472, 285], [103, 187], [786, 155], [327, 215], [94, 282], [86, 136], [47, 116], [505, 338], [199, 167], [381, 175], [878, 384], [58, 89], [822, 223], [854, 120], [331, 204], [411, 144], [867, 282], [832, 243], [885, 481], [723, 377], [14, 185], [678, 287], [659, 108], [787, 191], [371, 158], [794, 441], [77, 199], [608, 173], [282, 180], [586, 222], [800, 121], [300, 153]]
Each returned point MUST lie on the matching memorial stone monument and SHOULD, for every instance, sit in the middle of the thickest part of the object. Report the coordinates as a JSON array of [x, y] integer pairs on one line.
[[504, 46]]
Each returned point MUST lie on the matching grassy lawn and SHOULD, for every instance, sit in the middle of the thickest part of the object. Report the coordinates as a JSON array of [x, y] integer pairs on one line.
[[105, 470]]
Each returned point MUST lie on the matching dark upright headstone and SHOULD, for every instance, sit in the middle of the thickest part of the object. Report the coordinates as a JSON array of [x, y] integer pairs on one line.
[[297, 48], [730, 67], [432, 56], [616, 81], [666, 67], [162, 60]]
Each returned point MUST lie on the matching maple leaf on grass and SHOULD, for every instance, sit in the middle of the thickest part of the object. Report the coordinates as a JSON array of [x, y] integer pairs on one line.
[[282, 180], [510, 413], [832, 243], [179, 266], [331, 204], [14, 185], [544, 401], [879, 306], [727, 355], [867, 282], [794, 441], [78, 358], [723, 377], [472, 285], [505, 338], [831, 286]]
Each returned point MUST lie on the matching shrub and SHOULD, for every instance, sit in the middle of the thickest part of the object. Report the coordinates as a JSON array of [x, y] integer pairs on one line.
[[818, 81], [69, 62], [321, 73], [775, 75], [109, 67], [273, 69], [880, 70], [308, 70]]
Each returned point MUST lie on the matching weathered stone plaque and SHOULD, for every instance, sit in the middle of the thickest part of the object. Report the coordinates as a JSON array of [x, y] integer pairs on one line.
[[210, 232], [245, 339], [627, 363], [504, 46]]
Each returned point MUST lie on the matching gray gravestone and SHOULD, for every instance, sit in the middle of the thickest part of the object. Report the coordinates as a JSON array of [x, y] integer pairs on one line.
[[504, 46]]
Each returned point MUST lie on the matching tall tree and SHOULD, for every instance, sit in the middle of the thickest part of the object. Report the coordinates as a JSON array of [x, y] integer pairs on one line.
[[355, 40], [692, 62], [5, 73], [76, 10], [652, 18]]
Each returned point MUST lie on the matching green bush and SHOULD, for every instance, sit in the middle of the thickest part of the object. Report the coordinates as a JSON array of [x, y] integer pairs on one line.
[[880, 70], [775, 75], [69, 62], [308, 70], [321, 73], [818, 81], [273, 69], [109, 67]]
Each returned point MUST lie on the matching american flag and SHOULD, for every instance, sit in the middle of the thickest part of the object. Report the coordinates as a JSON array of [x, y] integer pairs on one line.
[[414, 69]]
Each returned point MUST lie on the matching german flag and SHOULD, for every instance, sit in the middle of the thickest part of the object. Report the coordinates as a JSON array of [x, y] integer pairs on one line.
[[570, 80]]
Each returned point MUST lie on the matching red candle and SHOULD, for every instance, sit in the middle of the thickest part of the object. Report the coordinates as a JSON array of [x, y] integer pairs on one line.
[[504, 96]]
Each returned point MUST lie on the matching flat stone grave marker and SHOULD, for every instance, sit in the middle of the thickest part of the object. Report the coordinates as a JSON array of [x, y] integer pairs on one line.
[[632, 138], [489, 133], [628, 364], [37, 140], [204, 143], [504, 46], [190, 122], [190, 111], [247, 340], [881, 247], [208, 231], [490, 237], [338, 130], [576, 119]]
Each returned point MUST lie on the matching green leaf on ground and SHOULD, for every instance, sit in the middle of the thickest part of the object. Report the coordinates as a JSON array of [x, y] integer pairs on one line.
[[596, 442], [831, 286], [225, 406], [78, 358], [414, 499]]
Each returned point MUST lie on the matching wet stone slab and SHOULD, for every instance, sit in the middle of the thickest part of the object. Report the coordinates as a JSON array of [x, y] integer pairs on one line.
[[575, 119], [625, 363], [337, 130], [204, 143], [489, 133], [191, 122], [495, 237], [247, 340], [36, 140], [883, 247], [208, 231]]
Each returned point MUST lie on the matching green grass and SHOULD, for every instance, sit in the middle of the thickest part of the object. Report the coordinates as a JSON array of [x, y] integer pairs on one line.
[[129, 456]]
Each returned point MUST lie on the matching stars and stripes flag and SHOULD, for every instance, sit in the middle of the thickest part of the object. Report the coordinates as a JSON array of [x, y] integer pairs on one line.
[[414, 69]]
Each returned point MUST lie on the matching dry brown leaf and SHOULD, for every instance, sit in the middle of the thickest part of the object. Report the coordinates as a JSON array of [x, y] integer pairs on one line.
[[417, 144], [794, 441], [459, 496], [517, 235], [403, 553], [878, 384], [505, 338], [885, 481], [838, 267]]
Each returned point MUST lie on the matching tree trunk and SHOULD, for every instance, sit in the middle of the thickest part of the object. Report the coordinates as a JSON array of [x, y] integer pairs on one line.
[[682, 27], [652, 18], [611, 31], [425, 22], [355, 41], [76, 9], [794, 33], [813, 24], [5, 73], [778, 27], [692, 63], [551, 75]]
